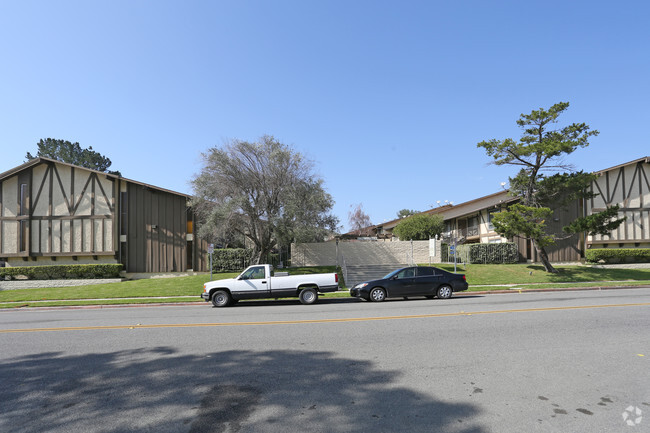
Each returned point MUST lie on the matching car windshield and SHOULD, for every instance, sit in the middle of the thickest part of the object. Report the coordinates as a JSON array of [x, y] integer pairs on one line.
[[387, 276], [392, 274]]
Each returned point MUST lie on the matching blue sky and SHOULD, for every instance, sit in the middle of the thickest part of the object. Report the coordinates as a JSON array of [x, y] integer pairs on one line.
[[389, 99]]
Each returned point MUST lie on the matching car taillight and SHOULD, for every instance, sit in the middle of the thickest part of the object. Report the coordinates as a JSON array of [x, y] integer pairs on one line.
[[464, 278], [336, 277]]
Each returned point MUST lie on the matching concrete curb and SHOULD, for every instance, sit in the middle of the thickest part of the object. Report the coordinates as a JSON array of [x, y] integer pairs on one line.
[[564, 289]]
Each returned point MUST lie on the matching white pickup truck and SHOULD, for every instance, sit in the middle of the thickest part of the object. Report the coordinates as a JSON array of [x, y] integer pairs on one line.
[[258, 282]]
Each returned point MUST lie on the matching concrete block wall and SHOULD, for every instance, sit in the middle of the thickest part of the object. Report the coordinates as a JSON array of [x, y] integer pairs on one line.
[[363, 253]]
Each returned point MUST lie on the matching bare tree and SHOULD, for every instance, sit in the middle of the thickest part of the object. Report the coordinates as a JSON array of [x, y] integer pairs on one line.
[[359, 221]]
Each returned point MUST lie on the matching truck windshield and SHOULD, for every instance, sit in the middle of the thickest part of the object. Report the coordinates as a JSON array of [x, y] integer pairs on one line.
[[254, 273]]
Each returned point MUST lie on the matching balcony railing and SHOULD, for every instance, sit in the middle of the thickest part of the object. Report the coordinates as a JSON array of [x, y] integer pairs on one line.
[[469, 232]]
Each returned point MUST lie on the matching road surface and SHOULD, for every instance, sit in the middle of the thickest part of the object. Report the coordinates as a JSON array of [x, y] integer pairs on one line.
[[547, 362]]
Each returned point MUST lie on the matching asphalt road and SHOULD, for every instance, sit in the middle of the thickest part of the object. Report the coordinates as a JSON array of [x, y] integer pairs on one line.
[[548, 362]]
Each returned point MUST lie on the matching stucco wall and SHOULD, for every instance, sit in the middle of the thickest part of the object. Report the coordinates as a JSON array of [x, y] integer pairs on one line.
[[360, 253], [629, 188]]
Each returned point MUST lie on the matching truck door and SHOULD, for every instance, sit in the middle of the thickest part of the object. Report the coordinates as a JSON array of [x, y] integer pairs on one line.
[[251, 284]]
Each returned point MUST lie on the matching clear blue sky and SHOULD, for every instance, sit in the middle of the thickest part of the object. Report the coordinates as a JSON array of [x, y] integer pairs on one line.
[[387, 98]]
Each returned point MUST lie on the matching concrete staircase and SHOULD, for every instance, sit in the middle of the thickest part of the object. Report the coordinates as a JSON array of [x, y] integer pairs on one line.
[[360, 273]]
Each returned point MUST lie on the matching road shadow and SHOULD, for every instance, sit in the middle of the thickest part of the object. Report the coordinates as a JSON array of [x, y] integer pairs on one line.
[[160, 390], [291, 301], [335, 301]]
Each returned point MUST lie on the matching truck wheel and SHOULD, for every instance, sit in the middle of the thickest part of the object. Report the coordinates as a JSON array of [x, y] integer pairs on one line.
[[221, 298], [308, 296]]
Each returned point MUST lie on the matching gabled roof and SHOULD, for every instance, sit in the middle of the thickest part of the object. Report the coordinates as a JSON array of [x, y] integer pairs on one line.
[[488, 201], [485, 202], [645, 159], [41, 160]]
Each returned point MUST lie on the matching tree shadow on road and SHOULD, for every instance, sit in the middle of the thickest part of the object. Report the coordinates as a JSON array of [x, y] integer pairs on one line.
[[162, 391]]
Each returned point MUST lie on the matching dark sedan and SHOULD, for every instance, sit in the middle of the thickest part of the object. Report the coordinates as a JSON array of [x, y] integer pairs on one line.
[[414, 281]]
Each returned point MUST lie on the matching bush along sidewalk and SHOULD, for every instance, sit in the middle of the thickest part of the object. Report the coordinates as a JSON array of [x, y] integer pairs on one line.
[[61, 272], [618, 255]]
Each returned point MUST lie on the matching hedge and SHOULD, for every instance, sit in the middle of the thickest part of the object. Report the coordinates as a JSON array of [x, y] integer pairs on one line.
[[618, 255], [231, 259], [61, 272], [483, 253]]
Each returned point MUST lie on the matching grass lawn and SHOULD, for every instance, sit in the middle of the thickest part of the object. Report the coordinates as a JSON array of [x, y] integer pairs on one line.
[[530, 274], [188, 289]]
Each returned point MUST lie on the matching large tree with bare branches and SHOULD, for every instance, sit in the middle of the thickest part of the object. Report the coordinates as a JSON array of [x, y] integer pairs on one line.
[[541, 150], [360, 223], [264, 191]]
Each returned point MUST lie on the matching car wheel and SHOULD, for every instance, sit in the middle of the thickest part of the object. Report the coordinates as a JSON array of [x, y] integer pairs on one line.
[[444, 292], [308, 296], [377, 294], [221, 298]]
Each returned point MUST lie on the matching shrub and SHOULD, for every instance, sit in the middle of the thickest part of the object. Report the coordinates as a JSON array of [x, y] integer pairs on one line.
[[483, 253], [618, 255], [419, 227], [62, 272], [231, 259]]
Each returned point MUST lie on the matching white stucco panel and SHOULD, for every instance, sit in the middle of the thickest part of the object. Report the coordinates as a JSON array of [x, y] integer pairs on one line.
[[87, 240], [40, 206], [76, 235], [99, 237], [80, 179], [108, 236], [65, 236], [56, 236], [9, 237], [103, 203], [59, 206], [10, 197]]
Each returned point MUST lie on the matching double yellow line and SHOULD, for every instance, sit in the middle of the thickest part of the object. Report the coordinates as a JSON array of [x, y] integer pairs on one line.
[[299, 322]]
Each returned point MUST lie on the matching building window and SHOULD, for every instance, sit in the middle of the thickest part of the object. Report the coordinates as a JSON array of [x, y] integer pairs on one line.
[[472, 226], [124, 212], [491, 213], [190, 222], [23, 199]]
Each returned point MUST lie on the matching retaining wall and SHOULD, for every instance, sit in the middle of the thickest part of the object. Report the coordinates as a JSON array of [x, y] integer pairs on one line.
[[363, 253]]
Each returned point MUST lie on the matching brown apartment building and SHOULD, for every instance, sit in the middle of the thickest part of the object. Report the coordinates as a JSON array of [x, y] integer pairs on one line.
[[57, 213], [626, 185]]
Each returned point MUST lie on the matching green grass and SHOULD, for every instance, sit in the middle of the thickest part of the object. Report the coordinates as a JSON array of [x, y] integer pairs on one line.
[[188, 289], [529, 274], [181, 286]]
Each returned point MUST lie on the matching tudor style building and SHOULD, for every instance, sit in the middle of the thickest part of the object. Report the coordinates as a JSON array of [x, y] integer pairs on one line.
[[57, 213], [627, 185]]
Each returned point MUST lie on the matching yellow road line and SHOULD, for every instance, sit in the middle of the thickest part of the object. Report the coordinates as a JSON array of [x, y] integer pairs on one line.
[[298, 322]]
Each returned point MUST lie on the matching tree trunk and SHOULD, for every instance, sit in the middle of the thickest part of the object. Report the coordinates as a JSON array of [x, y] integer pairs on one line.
[[543, 256]]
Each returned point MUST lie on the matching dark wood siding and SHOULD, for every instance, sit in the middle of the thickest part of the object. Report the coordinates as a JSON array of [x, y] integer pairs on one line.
[[156, 230], [565, 250]]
